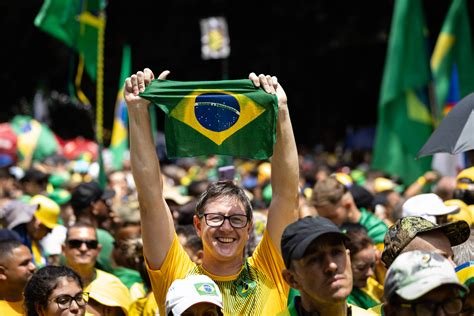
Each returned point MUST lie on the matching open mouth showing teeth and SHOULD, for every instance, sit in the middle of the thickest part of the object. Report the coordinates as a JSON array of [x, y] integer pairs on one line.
[[225, 240]]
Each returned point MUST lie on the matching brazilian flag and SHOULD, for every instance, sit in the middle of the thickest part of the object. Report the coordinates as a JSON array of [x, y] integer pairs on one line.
[[227, 117]]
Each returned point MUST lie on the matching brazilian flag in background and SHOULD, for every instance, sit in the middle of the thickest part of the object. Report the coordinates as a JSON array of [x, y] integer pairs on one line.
[[227, 117], [404, 121]]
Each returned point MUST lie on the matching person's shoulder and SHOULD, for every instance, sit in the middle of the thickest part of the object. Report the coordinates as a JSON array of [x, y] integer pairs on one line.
[[11, 308], [356, 311]]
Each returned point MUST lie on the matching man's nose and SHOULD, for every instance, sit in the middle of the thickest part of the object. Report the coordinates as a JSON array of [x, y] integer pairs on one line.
[[83, 247], [330, 264], [31, 266], [226, 224]]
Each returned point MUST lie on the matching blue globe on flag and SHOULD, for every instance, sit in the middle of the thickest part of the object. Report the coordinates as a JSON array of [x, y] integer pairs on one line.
[[216, 111]]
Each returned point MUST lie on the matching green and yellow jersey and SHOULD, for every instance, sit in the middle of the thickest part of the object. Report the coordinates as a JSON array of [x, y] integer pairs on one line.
[[258, 289]]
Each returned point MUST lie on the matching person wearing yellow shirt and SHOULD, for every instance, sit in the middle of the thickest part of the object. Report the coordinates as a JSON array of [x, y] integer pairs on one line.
[[107, 294], [16, 268], [223, 215]]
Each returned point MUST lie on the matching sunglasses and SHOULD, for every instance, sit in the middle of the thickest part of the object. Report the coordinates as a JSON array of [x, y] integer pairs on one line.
[[77, 243]]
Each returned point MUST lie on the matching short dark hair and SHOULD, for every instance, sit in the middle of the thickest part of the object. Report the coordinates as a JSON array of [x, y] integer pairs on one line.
[[42, 283], [357, 241], [222, 189], [7, 246]]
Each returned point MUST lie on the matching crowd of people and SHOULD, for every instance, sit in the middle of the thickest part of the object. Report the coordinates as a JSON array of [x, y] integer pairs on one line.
[[296, 235]]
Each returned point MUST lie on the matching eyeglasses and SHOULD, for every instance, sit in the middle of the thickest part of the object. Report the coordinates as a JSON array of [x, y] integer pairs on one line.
[[65, 301], [217, 220], [451, 306], [77, 243]]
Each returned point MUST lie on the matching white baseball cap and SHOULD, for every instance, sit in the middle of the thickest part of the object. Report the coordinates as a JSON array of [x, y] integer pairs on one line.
[[427, 205], [194, 289]]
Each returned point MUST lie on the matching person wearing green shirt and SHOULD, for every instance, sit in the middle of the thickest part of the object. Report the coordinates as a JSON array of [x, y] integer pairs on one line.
[[334, 201]]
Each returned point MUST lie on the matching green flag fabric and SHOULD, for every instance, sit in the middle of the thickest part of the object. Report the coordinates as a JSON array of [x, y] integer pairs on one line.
[[76, 23], [227, 117], [452, 62], [404, 119], [119, 141]]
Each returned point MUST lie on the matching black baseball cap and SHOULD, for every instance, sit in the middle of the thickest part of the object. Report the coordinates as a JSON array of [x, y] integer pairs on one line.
[[298, 236], [88, 192]]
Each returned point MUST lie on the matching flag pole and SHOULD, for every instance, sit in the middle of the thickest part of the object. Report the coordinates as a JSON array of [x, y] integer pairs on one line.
[[100, 95]]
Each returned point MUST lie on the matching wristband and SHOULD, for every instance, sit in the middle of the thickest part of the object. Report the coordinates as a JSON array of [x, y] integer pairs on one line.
[[421, 181]]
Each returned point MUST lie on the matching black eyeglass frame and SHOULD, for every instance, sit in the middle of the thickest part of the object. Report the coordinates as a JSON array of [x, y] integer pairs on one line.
[[413, 306], [224, 218], [83, 298]]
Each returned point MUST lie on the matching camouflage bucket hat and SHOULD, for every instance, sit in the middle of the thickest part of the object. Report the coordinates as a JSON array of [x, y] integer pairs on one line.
[[407, 228]]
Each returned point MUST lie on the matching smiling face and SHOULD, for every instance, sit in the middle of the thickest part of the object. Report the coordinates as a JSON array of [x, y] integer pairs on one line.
[[323, 276], [223, 243]]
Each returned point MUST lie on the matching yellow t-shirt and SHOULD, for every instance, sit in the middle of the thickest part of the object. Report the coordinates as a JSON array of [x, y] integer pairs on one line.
[[259, 288], [11, 308]]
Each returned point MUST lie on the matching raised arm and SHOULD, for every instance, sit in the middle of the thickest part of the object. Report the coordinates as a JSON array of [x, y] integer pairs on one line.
[[284, 177], [156, 220]]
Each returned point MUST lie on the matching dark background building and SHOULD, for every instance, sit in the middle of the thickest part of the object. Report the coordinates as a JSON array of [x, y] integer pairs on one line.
[[328, 55]]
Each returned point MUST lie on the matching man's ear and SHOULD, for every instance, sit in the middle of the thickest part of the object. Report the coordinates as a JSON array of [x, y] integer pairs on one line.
[[250, 227], [291, 278], [99, 248], [93, 208], [197, 225], [3, 276]]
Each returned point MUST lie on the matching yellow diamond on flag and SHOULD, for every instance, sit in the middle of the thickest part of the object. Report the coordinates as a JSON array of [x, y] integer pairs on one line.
[[216, 114]]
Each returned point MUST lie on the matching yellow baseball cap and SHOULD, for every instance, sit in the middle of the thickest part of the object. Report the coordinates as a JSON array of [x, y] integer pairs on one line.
[[109, 291], [383, 184], [344, 178], [47, 211]]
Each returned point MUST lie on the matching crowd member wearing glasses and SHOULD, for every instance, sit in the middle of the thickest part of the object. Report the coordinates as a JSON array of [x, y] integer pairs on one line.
[[16, 268], [223, 218], [422, 283], [108, 295], [54, 290]]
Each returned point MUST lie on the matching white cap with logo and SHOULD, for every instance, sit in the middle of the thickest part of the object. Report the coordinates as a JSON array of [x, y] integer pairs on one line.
[[194, 289]]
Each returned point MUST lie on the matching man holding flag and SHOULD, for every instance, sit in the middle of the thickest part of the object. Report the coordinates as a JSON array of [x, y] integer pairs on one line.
[[252, 286]]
